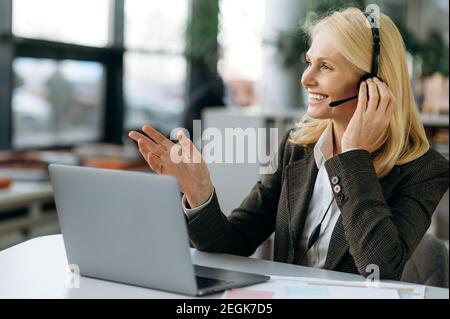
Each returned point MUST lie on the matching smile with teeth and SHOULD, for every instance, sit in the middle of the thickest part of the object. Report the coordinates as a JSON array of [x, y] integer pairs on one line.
[[317, 96]]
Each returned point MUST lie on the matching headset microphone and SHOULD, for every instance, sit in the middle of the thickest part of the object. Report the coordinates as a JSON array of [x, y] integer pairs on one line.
[[339, 102]]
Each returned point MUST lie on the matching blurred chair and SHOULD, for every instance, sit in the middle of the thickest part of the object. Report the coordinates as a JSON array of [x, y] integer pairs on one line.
[[428, 264]]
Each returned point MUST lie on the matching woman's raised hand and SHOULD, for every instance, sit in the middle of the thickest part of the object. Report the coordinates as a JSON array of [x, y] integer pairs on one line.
[[181, 160]]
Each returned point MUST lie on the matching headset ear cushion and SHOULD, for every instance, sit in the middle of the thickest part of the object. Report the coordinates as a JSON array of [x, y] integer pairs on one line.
[[365, 77], [368, 76]]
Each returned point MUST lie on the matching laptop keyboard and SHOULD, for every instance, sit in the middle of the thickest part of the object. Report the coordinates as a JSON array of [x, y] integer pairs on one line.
[[205, 282]]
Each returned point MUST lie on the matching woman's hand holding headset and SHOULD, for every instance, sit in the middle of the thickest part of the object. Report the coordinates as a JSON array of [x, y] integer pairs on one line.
[[181, 160], [372, 115]]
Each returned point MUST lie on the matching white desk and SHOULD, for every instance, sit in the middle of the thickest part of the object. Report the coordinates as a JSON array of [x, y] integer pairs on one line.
[[38, 269]]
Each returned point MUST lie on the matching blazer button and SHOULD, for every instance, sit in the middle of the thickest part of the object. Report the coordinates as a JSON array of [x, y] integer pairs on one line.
[[337, 189], [340, 197], [334, 180]]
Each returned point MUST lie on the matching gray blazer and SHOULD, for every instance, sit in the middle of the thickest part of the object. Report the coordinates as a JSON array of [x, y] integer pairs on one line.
[[381, 222]]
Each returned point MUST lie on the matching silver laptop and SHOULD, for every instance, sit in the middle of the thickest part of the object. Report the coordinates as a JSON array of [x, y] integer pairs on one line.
[[129, 227]]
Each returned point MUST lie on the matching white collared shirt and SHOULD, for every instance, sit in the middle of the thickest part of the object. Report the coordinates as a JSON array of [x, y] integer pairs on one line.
[[320, 200]]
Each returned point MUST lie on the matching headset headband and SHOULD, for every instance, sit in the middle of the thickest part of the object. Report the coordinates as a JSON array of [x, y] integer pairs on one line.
[[375, 27]]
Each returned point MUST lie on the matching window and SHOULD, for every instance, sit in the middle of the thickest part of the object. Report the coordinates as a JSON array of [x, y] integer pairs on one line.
[[156, 25], [84, 22], [240, 37], [154, 66], [61, 67], [56, 102], [154, 89], [76, 80]]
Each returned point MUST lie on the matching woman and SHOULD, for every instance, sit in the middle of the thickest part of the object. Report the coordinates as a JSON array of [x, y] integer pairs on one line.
[[363, 170]]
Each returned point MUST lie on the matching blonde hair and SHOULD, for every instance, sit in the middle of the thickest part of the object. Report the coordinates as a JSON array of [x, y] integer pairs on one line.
[[405, 139]]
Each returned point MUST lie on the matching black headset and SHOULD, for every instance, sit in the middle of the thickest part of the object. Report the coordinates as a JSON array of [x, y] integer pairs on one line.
[[373, 73], [374, 25]]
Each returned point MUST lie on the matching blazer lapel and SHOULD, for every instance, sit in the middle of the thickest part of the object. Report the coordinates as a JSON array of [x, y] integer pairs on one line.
[[338, 243], [301, 176]]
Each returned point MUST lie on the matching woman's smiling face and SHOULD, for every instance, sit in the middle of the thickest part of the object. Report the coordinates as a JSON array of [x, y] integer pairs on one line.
[[329, 77]]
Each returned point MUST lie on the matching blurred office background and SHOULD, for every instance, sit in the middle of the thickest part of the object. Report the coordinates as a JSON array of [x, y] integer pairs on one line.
[[77, 75]]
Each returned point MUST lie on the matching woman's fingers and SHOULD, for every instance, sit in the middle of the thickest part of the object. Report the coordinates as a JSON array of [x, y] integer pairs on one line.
[[145, 154], [373, 97], [391, 106], [386, 104], [155, 163], [157, 137], [190, 152], [362, 98], [145, 148], [136, 135], [186, 146], [144, 141], [392, 103], [384, 94]]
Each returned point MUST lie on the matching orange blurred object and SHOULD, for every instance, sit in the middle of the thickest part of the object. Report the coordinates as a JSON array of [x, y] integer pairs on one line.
[[4, 182]]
